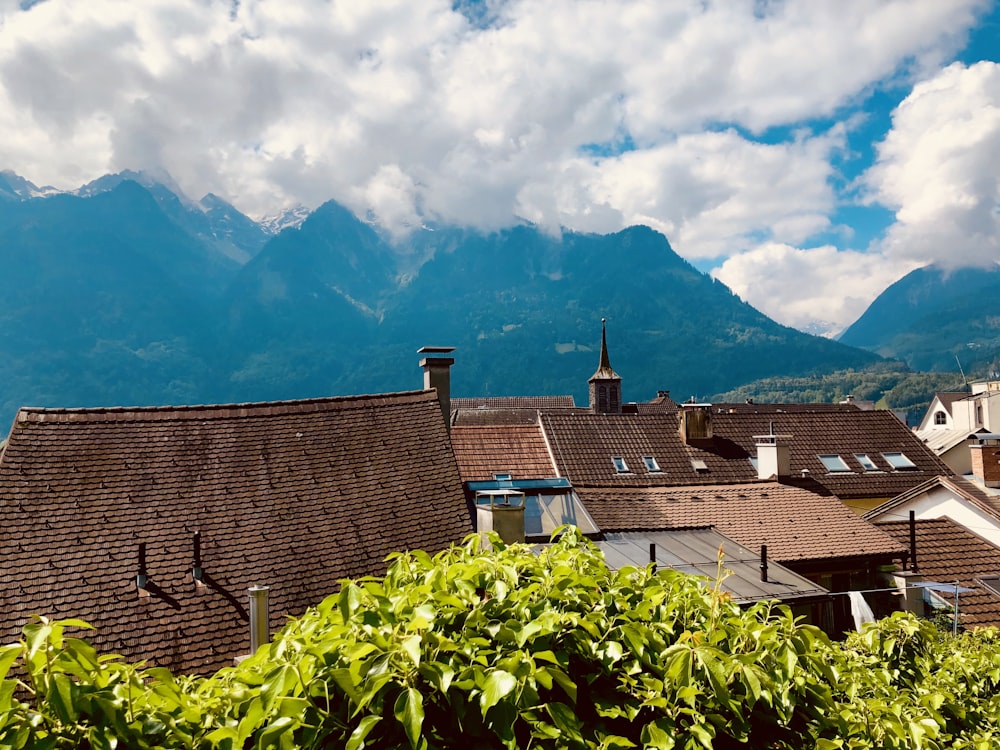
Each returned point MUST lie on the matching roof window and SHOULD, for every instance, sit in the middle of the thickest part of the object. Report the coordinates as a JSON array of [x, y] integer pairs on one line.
[[899, 462], [834, 463], [698, 465], [502, 477], [651, 466], [992, 583], [866, 462], [620, 466]]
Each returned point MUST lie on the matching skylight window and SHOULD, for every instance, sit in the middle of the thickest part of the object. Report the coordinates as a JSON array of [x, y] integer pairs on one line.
[[502, 477], [620, 466], [899, 462], [700, 466], [651, 466], [834, 463], [866, 462]]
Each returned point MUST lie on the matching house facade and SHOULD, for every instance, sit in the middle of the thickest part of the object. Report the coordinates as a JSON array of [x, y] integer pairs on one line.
[[953, 416]]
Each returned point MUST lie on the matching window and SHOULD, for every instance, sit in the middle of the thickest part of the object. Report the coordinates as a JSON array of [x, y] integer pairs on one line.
[[651, 466], [940, 417], [698, 465], [754, 464], [620, 466], [834, 463], [502, 477], [866, 463], [899, 462]]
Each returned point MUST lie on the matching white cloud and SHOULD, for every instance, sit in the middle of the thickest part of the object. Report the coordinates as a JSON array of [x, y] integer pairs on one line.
[[820, 289], [939, 168], [709, 193]]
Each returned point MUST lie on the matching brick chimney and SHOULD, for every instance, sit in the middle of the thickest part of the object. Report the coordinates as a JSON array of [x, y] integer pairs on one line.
[[985, 450], [695, 422], [437, 375]]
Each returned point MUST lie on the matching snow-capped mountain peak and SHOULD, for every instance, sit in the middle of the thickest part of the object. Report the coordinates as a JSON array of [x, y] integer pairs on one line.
[[289, 217]]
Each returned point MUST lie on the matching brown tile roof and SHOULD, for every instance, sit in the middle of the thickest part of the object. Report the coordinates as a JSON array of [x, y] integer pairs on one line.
[[583, 445], [292, 495], [948, 552], [484, 450], [493, 416], [755, 408], [513, 402], [796, 525]]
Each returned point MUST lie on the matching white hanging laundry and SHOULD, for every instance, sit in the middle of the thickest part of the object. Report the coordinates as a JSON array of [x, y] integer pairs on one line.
[[860, 610]]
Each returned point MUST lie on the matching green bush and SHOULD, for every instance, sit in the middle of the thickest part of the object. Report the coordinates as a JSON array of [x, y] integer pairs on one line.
[[508, 649]]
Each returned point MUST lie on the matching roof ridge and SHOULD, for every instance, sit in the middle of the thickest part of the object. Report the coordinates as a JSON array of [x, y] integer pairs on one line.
[[216, 411]]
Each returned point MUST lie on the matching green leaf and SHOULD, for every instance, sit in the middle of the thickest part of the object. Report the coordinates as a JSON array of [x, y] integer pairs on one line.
[[251, 720], [564, 718], [273, 734], [220, 735], [563, 680], [411, 646], [357, 739], [349, 600], [409, 711], [8, 655], [704, 733], [654, 736], [498, 685]]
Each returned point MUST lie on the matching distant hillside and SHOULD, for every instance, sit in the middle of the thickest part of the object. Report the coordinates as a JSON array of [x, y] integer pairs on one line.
[[131, 294], [890, 385], [932, 319]]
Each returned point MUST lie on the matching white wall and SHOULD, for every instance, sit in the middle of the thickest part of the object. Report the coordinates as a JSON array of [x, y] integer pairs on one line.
[[940, 502]]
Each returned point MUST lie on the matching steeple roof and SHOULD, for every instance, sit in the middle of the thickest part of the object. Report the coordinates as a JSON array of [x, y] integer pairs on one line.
[[604, 371]]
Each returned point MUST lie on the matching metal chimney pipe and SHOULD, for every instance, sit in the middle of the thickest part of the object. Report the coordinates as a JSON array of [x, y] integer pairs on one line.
[[196, 570], [652, 555], [141, 576], [763, 563], [259, 616], [913, 541]]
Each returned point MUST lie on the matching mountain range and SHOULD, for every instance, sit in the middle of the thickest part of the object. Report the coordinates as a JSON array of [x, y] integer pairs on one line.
[[127, 292]]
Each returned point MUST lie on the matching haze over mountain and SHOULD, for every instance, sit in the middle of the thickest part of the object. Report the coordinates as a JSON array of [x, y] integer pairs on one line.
[[129, 293]]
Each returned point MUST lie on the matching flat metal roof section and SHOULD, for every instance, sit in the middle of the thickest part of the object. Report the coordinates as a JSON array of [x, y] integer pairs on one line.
[[696, 551], [520, 484]]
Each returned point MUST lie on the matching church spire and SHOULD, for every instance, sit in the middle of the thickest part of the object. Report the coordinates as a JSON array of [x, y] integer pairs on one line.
[[605, 384]]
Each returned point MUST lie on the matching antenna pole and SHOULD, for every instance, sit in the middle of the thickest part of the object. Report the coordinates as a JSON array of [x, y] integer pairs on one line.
[[964, 379]]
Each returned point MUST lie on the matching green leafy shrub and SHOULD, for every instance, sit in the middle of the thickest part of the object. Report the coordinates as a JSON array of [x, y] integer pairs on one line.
[[509, 649]]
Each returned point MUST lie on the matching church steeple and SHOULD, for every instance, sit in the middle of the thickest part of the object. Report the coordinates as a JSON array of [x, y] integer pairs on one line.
[[605, 384]]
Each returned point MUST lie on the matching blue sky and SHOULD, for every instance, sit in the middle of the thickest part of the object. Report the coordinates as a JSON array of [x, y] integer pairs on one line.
[[805, 152]]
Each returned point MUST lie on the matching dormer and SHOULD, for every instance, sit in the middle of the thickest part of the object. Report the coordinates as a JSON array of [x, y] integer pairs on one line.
[[605, 384]]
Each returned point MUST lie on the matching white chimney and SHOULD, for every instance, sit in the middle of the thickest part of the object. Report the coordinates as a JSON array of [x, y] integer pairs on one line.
[[773, 455]]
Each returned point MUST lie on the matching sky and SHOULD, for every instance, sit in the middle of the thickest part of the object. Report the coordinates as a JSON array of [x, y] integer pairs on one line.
[[807, 153]]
